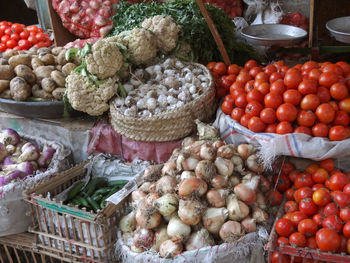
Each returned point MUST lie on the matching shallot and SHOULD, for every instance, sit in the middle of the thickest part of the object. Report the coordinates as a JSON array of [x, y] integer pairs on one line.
[[143, 238], [187, 174], [265, 184], [213, 218], [194, 148], [152, 173], [169, 168], [245, 150], [245, 194], [218, 144], [167, 204], [253, 164], [224, 166], [226, 151], [260, 215], [237, 163], [148, 217], [237, 210], [159, 237], [205, 170], [178, 229], [145, 187], [190, 211], [189, 164], [219, 181], [231, 231], [199, 239], [170, 248], [137, 196], [150, 198], [207, 152], [234, 180], [192, 187], [260, 200], [166, 184], [9, 136], [248, 224], [251, 181], [128, 222], [217, 197]]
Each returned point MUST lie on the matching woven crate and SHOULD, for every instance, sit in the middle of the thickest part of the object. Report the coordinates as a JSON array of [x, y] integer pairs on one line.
[[169, 125], [21, 248], [70, 232]]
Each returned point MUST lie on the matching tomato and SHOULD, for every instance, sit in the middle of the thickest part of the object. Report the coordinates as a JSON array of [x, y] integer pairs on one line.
[[8, 31], [2, 47], [292, 78], [249, 86], [311, 243], [314, 74], [4, 39], [321, 197], [306, 118], [292, 96], [11, 43], [278, 257], [227, 107], [334, 105], [284, 127], [308, 207], [311, 168], [32, 40], [278, 87], [243, 77], [282, 181], [254, 108], [327, 240], [268, 115], [219, 67], [307, 227], [315, 187], [297, 239], [333, 68], [271, 128], [237, 114], [289, 193], [297, 216], [220, 92], [320, 130], [290, 206], [270, 69], [346, 230], [282, 241], [42, 37], [327, 79], [330, 209], [323, 94], [288, 216], [287, 167], [264, 88], [338, 181], [346, 189], [341, 199], [325, 113], [284, 227], [310, 102], [320, 176], [333, 222], [339, 91], [255, 124], [17, 28], [307, 87], [275, 76], [233, 69], [345, 66], [250, 64], [345, 214], [274, 198], [304, 179], [286, 112], [226, 83], [303, 129], [236, 92], [209, 66], [293, 175], [24, 44], [343, 242], [35, 29], [338, 133], [255, 95], [245, 120], [327, 164], [279, 64], [15, 37], [229, 98], [318, 219], [344, 105], [272, 100], [341, 118], [256, 83]]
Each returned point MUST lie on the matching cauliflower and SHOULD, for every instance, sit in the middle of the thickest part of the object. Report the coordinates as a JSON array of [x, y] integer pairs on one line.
[[86, 96], [165, 29], [141, 45], [105, 60]]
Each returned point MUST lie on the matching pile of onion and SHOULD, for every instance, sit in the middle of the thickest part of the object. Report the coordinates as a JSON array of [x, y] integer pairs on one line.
[[207, 193]]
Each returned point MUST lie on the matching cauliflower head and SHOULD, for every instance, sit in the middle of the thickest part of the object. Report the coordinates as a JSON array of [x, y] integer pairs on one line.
[[165, 29], [141, 45], [105, 60], [85, 96]]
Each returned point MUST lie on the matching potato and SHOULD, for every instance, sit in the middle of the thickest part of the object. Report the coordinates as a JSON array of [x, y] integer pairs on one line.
[[33, 49], [47, 59], [6, 72], [61, 59], [43, 50], [40, 93], [68, 68], [22, 59], [3, 61], [6, 94], [43, 72], [10, 53], [48, 84], [4, 85], [36, 62], [56, 50], [26, 73], [20, 89], [59, 78], [58, 93]]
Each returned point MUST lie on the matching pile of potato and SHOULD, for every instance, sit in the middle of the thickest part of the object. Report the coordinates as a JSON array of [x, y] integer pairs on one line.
[[36, 73]]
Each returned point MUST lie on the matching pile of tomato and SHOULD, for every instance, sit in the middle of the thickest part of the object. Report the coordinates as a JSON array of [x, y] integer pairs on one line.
[[311, 98], [317, 213], [19, 37]]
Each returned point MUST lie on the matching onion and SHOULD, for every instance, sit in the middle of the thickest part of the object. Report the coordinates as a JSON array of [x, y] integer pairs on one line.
[[260, 215], [194, 148], [145, 187], [170, 248], [136, 249], [11, 149], [245, 150], [159, 237], [187, 141], [148, 217], [205, 170], [224, 166], [218, 144], [187, 174], [253, 164], [237, 163], [189, 164], [150, 198], [251, 181], [143, 238], [206, 131], [231, 231], [245, 194], [137, 195], [128, 238], [248, 225], [169, 168], [237, 210], [190, 211], [217, 197], [213, 218], [234, 180], [152, 173], [265, 184], [178, 229], [219, 181], [260, 200], [207, 152], [199, 239], [226, 151], [128, 223], [167, 204], [166, 184], [192, 187]]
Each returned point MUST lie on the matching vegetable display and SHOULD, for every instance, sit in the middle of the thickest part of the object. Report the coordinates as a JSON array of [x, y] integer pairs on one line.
[[310, 98], [317, 213], [20, 158], [207, 193], [19, 37], [93, 195]]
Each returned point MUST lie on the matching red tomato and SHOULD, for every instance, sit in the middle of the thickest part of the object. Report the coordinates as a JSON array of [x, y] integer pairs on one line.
[[268, 115], [229, 98], [333, 222], [307, 87], [284, 127], [304, 179], [254, 108], [283, 182], [292, 78], [282, 241], [302, 193], [220, 92], [308, 207], [245, 119], [2, 47], [32, 28], [227, 107], [237, 86], [293, 175], [345, 66], [345, 214], [255, 95], [274, 198], [341, 199], [333, 68], [315, 187], [292, 96], [327, 79], [346, 189], [15, 37], [219, 67], [264, 88], [262, 76], [251, 64], [241, 100], [42, 37], [271, 128], [309, 65], [348, 246], [11, 43], [255, 124], [24, 44], [243, 77], [226, 82], [346, 230], [270, 69], [284, 227], [323, 94], [311, 168], [209, 66], [297, 216], [338, 181], [290, 194], [32, 40], [318, 219], [321, 197], [24, 34], [275, 76], [278, 257], [287, 167], [306, 118], [4, 39], [307, 227], [311, 243], [320, 130], [338, 133], [8, 31], [278, 87], [309, 102], [286, 112], [314, 74], [339, 91], [330, 209], [320, 176], [17, 28], [233, 69], [237, 114], [290, 206], [327, 240], [297, 239], [272, 100], [344, 105], [343, 241], [325, 113], [249, 86], [341, 118]]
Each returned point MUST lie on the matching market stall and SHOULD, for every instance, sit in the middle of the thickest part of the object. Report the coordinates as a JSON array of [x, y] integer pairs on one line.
[[175, 131]]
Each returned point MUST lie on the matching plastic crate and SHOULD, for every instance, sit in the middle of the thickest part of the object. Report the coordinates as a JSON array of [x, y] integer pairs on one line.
[[68, 232]]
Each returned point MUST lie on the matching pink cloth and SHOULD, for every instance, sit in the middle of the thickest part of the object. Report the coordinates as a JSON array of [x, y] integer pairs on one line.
[[105, 140]]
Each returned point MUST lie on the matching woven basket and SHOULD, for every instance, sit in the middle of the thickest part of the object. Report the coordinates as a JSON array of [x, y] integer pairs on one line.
[[169, 125]]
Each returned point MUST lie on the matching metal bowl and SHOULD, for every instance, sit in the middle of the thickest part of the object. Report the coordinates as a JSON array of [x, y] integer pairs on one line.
[[42, 109], [340, 28], [273, 35]]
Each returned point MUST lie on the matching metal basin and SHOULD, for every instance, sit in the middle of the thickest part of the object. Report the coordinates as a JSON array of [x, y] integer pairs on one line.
[[340, 28], [273, 35]]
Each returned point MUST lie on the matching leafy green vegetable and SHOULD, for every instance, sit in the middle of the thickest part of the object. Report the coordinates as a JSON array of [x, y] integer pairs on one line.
[[195, 30]]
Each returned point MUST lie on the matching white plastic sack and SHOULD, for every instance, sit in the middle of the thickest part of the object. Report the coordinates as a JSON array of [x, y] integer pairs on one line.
[[272, 145], [14, 212], [263, 12]]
